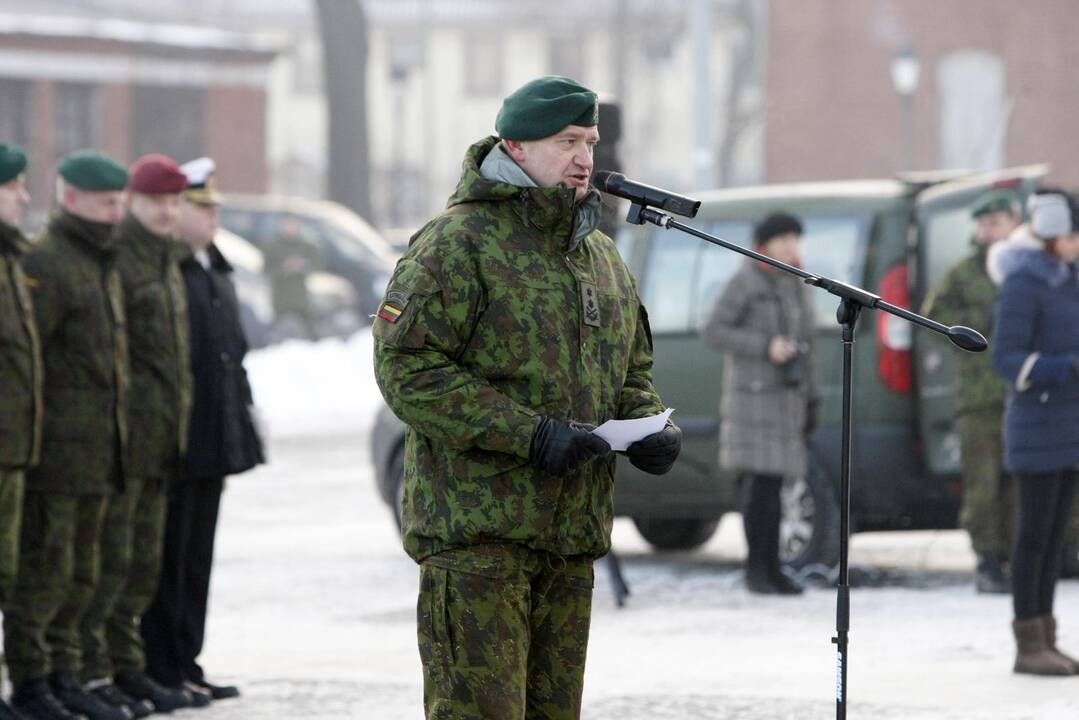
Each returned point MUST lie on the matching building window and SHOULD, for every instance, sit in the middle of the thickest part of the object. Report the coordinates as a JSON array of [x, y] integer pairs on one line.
[[169, 120], [974, 110], [483, 66], [76, 117], [15, 97]]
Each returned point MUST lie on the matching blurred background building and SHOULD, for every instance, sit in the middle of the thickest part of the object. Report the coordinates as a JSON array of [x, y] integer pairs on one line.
[[713, 92]]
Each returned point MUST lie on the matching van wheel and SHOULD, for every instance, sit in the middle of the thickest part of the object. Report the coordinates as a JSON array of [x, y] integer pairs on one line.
[[397, 480], [684, 534], [809, 525]]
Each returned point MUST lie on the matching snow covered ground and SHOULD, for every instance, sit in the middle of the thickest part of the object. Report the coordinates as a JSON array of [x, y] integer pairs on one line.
[[313, 604]]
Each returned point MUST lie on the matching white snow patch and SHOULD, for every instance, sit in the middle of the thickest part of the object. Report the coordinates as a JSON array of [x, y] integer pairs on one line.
[[310, 389]]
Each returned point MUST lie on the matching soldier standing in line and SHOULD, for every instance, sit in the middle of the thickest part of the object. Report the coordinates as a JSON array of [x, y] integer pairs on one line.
[[510, 327], [222, 441], [78, 305], [148, 256], [967, 296], [20, 374]]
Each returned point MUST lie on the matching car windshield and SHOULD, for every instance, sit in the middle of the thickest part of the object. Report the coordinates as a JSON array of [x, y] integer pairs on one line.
[[685, 275], [356, 239]]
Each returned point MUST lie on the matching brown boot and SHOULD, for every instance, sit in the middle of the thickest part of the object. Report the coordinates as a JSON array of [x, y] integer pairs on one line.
[[1049, 624], [1033, 656]]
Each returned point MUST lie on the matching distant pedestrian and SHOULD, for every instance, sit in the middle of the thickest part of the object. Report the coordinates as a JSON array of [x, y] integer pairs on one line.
[[1036, 349], [79, 309], [967, 296], [148, 257], [763, 321], [20, 373], [222, 440]]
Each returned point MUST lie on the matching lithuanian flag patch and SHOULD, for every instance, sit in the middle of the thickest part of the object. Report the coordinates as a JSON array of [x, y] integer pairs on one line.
[[393, 306], [389, 312]]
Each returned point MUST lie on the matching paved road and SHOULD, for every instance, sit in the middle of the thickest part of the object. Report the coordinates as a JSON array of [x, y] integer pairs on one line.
[[313, 615]]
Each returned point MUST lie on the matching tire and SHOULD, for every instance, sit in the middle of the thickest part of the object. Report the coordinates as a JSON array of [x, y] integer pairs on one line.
[[397, 484], [809, 525], [683, 534]]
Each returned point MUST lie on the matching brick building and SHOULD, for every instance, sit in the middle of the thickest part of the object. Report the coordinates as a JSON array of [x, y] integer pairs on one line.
[[130, 88], [994, 87]]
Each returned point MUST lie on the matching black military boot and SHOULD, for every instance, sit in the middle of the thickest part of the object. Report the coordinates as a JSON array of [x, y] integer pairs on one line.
[[7, 712], [141, 687], [109, 694], [990, 578], [67, 689], [33, 700]]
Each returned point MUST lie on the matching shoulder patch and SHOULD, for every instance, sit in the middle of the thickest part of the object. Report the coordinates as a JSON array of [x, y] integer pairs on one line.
[[394, 305], [30, 282]]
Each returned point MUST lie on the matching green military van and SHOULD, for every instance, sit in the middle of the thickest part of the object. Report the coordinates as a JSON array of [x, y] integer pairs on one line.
[[893, 237]]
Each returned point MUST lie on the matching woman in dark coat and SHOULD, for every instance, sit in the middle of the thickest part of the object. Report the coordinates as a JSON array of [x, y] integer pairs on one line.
[[764, 323], [1036, 349]]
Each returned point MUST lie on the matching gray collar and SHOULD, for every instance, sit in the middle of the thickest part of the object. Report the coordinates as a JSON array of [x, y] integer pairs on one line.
[[498, 166]]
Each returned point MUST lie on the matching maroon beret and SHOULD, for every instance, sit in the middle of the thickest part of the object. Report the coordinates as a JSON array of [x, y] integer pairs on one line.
[[156, 175]]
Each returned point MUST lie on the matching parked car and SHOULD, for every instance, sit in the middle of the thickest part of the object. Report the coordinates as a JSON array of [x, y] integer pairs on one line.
[[894, 237], [349, 246]]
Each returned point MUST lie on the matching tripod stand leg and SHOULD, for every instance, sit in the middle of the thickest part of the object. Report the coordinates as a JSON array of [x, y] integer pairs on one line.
[[621, 589]]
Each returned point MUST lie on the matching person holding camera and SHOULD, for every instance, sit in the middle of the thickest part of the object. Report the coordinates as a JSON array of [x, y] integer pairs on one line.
[[763, 322]]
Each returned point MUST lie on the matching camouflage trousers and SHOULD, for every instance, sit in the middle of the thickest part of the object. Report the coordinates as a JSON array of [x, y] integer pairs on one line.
[[989, 496], [131, 547], [503, 633], [12, 485], [59, 567]]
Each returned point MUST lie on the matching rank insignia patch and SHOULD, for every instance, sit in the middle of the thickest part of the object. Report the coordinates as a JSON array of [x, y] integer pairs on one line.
[[590, 304]]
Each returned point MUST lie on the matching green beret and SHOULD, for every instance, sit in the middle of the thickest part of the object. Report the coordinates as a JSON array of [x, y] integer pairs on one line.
[[12, 162], [93, 171], [544, 106], [1004, 201]]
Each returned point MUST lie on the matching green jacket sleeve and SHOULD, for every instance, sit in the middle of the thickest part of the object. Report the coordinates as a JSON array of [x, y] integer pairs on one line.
[[639, 398], [419, 331]]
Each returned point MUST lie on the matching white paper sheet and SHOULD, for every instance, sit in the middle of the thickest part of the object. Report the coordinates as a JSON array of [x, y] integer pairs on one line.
[[620, 434]]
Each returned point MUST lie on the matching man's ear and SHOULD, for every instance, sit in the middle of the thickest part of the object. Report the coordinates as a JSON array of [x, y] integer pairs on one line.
[[515, 149]]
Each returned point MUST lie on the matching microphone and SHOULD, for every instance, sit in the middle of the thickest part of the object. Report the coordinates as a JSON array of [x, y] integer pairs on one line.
[[614, 183]]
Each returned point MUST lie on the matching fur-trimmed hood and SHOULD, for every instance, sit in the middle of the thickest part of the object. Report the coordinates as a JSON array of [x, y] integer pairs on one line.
[[1022, 251]]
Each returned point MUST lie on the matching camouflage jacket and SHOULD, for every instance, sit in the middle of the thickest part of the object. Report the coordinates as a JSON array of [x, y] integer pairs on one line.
[[155, 304], [966, 296], [492, 318], [20, 359], [78, 304]]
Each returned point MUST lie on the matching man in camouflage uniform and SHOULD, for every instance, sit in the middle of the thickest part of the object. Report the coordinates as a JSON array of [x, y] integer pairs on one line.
[[966, 296], [511, 327], [148, 258], [20, 373], [78, 305]]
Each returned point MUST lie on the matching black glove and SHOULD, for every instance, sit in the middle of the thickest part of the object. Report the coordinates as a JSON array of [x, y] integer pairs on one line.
[[656, 453], [561, 448]]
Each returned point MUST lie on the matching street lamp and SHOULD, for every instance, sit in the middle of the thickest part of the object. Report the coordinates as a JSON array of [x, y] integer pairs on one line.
[[905, 70]]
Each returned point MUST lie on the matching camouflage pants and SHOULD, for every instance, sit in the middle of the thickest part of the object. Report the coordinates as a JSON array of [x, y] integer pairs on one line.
[[59, 567], [12, 483], [503, 633], [131, 545], [989, 495]]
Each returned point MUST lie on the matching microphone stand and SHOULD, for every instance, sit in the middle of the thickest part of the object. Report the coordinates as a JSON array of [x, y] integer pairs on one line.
[[852, 300]]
